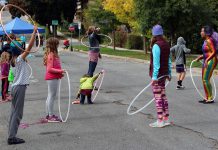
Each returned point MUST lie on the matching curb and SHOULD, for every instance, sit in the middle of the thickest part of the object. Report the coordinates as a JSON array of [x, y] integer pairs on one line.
[[128, 59], [117, 57]]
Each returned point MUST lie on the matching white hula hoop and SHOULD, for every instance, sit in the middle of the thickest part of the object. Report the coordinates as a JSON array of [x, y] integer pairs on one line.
[[3, 28], [146, 105], [31, 70], [99, 46], [196, 86], [99, 85], [59, 101]]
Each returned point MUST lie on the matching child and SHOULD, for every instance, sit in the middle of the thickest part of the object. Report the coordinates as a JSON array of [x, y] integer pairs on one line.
[[66, 44], [5, 66], [10, 79], [180, 50], [86, 87], [160, 65], [52, 76], [21, 80]]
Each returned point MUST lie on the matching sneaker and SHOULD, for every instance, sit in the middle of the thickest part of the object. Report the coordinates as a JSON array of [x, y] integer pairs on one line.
[[157, 124], [9, 98], [76, 102], [202, 101], [179, 87], [208, 102], [182, 87], [14, 140], [167, 122], [90, 102], [47, 117], [53, 119]]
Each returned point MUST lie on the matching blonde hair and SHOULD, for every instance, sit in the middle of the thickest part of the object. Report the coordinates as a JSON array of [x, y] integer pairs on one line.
[[5, 57], [51, 47], [90, 30]]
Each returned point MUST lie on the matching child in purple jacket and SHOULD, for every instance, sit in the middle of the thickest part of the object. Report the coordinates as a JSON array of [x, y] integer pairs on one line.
[[5, 67]]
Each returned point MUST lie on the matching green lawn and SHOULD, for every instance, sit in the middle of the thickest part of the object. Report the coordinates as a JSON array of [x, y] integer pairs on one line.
[[135, 54]]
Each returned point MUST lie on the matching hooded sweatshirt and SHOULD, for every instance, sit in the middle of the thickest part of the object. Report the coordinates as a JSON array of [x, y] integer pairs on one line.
[[180, 49]]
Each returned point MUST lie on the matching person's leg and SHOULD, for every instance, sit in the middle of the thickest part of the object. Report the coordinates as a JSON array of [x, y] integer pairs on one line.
[[89, 99], [165, 104], [206, 75], [52, 91], [82, 98], [18, 96], [5, 90], [92, 66], [182, 76], [3, 94], [156, 88], [178, 76]]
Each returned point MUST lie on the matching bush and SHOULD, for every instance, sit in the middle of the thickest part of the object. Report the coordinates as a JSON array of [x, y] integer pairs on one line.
[[120, 38], [134, 42]]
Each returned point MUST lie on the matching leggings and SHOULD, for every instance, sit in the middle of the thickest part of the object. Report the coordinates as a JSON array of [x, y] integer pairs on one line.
[[206, 75], [52, 91], [160, 99], [5, 85]]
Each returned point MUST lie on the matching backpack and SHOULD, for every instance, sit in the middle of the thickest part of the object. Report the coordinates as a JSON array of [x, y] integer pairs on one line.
[[215, 38]]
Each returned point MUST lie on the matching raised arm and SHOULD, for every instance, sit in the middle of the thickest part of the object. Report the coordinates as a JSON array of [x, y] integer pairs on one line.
[[31, 43]]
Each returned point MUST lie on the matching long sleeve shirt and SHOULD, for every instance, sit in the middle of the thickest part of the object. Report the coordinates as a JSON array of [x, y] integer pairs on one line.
[[53, 68]]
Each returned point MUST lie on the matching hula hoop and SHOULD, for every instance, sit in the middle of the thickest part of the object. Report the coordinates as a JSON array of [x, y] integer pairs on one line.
[[103, 73], [196, 86], [99, 46], [3, 28], [31, 70], [59, 101], [146, 105]]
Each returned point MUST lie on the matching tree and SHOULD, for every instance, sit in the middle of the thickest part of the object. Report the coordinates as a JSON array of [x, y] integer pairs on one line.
[[124, 11], [96, 15], [14, 11], [44, 11], [178, 18]]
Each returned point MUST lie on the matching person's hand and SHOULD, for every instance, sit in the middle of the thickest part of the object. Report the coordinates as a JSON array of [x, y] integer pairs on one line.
[[169, 78], [63, 71], [199, 58], [205, 63], [154, 82], [97, 29], [35, 29]]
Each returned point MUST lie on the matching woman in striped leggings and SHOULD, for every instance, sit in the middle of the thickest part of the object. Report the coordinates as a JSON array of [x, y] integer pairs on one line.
[[160, 63], [209, 62]]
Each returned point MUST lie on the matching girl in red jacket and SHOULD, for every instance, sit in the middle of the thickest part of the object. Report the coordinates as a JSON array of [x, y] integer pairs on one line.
[[52, 76]]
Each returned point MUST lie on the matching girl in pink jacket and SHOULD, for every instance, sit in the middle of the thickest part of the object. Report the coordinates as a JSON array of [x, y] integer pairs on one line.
[[52, 76]]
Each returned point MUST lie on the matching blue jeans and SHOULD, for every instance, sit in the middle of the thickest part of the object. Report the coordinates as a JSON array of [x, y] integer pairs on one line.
[[92, 66]]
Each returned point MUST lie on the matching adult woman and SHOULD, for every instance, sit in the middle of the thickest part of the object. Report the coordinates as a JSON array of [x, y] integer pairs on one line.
[[209, 62], [94, 51], [160, 63]]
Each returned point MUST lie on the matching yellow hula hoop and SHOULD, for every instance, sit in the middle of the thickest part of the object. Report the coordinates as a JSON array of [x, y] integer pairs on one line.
[[3, 28]]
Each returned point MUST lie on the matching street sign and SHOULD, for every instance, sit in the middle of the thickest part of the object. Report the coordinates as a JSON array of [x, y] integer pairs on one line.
[[71, 29], [79, 25], [55, 22]]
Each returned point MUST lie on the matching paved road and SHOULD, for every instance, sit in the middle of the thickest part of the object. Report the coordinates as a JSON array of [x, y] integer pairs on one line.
[[105, 125]]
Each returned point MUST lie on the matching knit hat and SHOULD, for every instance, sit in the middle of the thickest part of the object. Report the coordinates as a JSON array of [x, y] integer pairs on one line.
[[157, 30]]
